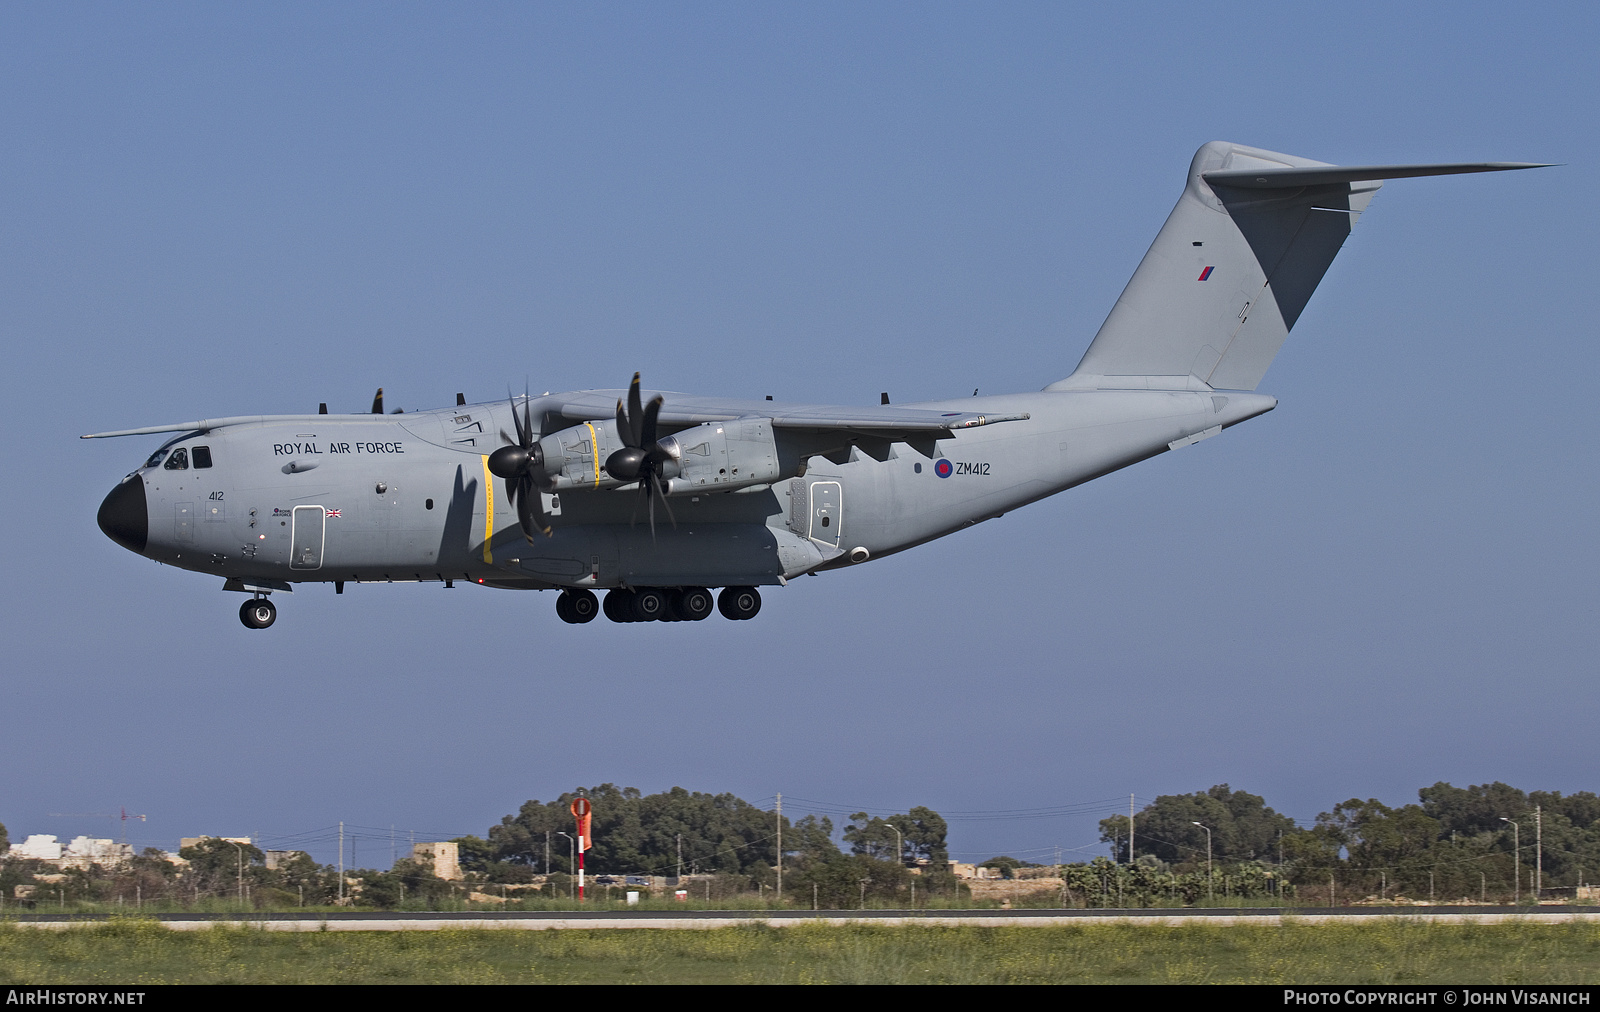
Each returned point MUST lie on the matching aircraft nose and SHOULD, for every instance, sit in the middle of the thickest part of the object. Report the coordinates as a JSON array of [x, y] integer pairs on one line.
[[125, 517]]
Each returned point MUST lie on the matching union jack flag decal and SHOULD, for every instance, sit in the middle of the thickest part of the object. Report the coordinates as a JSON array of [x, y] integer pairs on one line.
[[331, 513]]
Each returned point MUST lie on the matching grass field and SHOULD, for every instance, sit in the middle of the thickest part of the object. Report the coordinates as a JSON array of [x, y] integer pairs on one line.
[[134, 952]]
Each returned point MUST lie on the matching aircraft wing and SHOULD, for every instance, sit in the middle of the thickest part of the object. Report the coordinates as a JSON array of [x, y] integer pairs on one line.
[[886, 421]]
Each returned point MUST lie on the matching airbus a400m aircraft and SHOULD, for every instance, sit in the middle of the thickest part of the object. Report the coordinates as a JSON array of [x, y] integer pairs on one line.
[[658, 497]]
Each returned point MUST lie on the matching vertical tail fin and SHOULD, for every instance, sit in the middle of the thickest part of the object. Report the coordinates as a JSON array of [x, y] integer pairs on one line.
[[1233, 267]]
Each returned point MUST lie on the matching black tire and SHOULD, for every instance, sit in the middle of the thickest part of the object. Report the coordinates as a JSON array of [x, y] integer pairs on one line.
[[669, 608], [693, 604], [649, 604], [583, 605], [258, 613], [739, 603], [564, 610], [618, 605]]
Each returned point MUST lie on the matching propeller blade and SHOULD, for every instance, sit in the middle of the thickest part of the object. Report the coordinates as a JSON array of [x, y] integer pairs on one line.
[[635, 415], [647, 434], [377, 402], [661, 490], [530, 516]]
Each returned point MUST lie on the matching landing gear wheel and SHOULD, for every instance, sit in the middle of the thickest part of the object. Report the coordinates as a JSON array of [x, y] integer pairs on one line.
[[739, 603], [618, 605], [692, 603], [577, 606], [258, 613], [649, 604]]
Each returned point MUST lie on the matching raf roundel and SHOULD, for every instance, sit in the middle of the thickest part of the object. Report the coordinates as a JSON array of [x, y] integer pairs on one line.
[[943, 468]]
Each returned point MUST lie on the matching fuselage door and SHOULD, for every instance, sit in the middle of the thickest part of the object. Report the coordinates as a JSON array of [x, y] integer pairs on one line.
[[827, 513], [306, 530]]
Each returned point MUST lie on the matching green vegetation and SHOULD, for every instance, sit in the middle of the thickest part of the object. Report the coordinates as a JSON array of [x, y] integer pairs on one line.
[[1457, 843], [132, 952]]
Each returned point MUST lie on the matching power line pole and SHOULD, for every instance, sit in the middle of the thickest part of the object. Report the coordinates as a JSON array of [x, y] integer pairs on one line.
[[780, 848], [1516, 845], [341, 861], [1538, 851], [1130, 829]]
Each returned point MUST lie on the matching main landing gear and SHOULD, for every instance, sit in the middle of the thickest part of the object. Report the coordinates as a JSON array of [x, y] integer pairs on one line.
[[258, 613], [577, 606], [651, 604]]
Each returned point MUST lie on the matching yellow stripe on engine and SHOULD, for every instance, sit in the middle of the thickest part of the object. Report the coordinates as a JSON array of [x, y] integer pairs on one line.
[[488, 512], [594, 443]]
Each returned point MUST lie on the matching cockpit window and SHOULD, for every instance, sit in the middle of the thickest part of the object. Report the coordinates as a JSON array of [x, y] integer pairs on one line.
[[178, 460], [202, 457], [155, 458]]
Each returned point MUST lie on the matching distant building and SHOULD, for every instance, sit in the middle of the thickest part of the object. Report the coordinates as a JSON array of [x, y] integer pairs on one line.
[[442, 858], [195, 841], [83, 852], [38, 847], [962, 870], [80, 853], [278, 858]]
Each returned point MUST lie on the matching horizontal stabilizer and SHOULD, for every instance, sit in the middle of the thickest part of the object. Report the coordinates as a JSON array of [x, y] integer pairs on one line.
[[1274, 179]]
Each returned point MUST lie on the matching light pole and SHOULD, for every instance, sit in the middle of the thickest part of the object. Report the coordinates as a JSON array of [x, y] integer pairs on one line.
[[1516, 846], [899, 842], [1210, 892], [240, 849], [572, 860]]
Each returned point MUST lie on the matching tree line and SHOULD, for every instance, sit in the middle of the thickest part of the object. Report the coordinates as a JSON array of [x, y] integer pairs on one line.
[[1476, 842], [1213, 845]]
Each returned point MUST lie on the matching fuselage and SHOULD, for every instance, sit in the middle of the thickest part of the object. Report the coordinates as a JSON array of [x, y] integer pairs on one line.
[[408, 497]]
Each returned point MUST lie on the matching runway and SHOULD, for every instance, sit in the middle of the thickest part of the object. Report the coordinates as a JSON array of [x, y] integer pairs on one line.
[[700, 920]]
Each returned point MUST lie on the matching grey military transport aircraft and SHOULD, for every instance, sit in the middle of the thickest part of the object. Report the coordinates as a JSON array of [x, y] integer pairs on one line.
[[657, 497]]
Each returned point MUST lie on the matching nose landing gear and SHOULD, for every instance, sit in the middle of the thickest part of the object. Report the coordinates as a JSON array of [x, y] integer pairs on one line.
[[258, 613]]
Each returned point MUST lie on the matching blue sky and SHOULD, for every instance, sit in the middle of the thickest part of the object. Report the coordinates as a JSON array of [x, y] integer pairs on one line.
[[250, 208]]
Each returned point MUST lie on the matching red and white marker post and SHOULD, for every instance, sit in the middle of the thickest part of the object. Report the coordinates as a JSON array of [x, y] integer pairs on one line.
[[580, 811]]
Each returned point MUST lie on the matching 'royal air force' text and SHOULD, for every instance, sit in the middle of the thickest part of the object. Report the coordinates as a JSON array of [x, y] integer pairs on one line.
[[307, 449]]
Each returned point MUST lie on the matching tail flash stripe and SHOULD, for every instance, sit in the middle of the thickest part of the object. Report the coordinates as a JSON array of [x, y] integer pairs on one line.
[[1206, 273]]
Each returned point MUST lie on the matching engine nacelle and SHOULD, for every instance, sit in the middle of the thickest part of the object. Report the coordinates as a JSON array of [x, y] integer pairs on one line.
[[575, 458], [721, 456]]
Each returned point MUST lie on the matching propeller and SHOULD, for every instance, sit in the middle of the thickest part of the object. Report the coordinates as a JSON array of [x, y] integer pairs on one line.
[[521, 463], [641, 458]]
